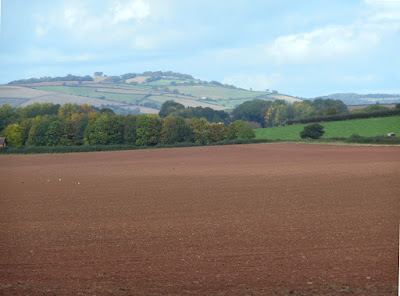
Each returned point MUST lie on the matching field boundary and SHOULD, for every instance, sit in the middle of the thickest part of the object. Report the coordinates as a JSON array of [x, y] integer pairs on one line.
[[357, 141]]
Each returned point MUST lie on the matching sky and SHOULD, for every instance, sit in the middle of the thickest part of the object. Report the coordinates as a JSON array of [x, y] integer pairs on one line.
[[304, 48]]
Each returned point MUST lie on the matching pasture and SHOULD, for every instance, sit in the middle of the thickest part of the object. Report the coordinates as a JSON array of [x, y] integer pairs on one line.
[[370, 127], [24, 96], [216, 92], [259, 219], [129, 95]]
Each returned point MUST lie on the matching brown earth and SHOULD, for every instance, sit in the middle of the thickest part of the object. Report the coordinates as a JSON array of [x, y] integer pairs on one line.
[[262, 219]]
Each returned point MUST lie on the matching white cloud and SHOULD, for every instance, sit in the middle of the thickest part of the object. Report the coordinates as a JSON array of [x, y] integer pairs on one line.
[[374, 2], [257, 82], [41, 31], [116, 23], [150, 41], [324, 44], [137, 10], [352, 79], [40, 55], [71, 16], [327, 43]]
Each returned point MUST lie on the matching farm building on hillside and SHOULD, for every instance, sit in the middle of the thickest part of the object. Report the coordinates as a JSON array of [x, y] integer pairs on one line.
[[3, 142]]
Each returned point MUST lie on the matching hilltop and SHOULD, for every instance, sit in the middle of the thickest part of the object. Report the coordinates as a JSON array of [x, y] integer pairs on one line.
[[131, 92]]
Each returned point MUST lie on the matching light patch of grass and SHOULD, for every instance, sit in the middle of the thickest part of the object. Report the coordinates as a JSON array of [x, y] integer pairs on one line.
[[165, 82], [91, 92], [216, 92]]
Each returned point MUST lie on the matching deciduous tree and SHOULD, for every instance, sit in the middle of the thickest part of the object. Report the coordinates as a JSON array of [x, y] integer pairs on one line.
[[14, 134], [240, 130], [312, 131]]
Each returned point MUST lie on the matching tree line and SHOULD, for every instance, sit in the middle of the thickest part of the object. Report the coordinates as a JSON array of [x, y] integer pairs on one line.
[[69, 77], [264, 113], [48, 124], [177, 109]]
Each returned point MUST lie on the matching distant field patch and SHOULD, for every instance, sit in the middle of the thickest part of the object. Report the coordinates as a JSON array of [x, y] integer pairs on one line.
[[165, 82], [91, 92], [138, 79], [216, 92], [336, 129], [13, 102], [285, 98], [124, 91], [186, 102], [77, 91], [231, 103]]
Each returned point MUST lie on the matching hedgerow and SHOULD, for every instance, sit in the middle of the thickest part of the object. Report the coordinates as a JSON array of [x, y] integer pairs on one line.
[[346, 116]]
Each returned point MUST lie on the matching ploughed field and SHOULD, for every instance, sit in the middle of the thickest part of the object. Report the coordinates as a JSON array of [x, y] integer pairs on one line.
[[260, 219]]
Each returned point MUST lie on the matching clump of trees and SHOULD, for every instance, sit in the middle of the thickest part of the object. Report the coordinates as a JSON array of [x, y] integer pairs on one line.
[[74, 125], [371, 108], [345, 116], [278, 112], [177, 109], [69, 77], [312, 131]]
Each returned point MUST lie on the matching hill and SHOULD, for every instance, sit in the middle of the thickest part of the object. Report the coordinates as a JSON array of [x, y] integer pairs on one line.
[[367, 99], [336, 129], [23, 96], [134, 91]]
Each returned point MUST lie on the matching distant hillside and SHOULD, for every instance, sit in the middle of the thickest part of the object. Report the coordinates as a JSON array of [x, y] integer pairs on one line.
[[145, 90], [368, 99], [23, 96]]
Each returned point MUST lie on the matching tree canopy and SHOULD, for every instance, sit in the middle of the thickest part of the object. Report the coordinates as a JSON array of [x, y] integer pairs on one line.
[[312, 131], [72, 124]]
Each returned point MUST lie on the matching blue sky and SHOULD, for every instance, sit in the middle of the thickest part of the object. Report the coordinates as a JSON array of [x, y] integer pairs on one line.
[[302, 48]]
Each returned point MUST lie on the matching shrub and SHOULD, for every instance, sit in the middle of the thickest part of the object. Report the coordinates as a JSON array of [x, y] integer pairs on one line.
[[240, 130], [312, 131]]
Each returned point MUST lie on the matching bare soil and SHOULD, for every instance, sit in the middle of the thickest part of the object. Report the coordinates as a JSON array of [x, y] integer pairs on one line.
[[262, 219]]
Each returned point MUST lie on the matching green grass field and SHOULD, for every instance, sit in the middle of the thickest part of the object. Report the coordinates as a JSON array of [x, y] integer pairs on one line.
[[216, 92], [337, 129], [165, 82], [91, 92], [221, 97]]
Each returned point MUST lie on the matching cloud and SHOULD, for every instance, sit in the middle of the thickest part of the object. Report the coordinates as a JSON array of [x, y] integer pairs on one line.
[[49, 55], [128, 24], [41, 31], [257, 81], [151, 41], [326, 43], [137, 10], [359, 79], [374, 2]]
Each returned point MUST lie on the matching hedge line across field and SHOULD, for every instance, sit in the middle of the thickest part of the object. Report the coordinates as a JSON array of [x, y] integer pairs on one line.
[[70, 149], [355, 139], [346, 116]]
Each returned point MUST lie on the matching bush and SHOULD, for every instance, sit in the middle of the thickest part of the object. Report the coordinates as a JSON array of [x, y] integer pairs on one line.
[[240, 130], [312, 131]]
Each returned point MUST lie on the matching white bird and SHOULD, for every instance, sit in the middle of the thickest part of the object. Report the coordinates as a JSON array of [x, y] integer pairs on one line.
[[59, 180]]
